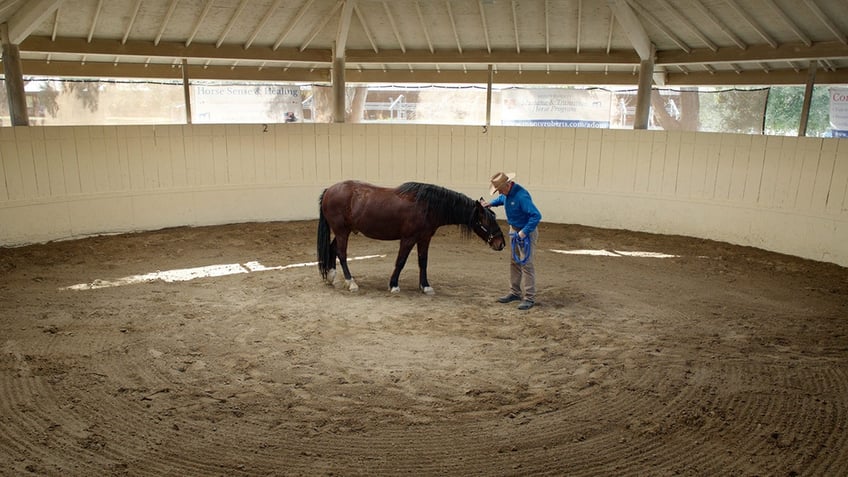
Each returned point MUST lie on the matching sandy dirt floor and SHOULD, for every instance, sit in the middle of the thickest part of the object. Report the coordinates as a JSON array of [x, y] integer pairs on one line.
[[721, 360]]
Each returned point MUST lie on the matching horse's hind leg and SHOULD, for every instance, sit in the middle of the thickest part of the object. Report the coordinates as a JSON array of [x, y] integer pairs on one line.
[[331, 272], [423, 251], [403, 253], [341, 252]]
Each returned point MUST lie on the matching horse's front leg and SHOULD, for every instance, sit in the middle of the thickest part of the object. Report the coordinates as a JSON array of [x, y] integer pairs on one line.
[[403, 253], [341, 252], [423, 250]]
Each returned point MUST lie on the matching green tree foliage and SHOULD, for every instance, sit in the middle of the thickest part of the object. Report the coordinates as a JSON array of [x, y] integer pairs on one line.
[[735, 111], [677, 112], [818, 123], [783, 115], [48, 100], [87, 92], [41, 103]]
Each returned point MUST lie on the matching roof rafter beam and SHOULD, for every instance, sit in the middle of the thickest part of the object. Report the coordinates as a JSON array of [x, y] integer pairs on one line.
[[758, 53], [755, 77], [197, 24], [393, 25], [133, 17], [423, 25], [365, 28], [55, 29], [579, 23], [485, 25], [515, 27], [548, 28], [171, 50], [320, 26], [344, 28], [28, 17], [785, 52], [160, 70], [268, 14], [509, 56], [632, 27], [661, 27], [6, 5], [680, 18], [111, 48], [167, 19], [811, 4], [788, 21], [94, 21], [231, 23], [453, 26], [293, 23], [742, 13], [718, 24]]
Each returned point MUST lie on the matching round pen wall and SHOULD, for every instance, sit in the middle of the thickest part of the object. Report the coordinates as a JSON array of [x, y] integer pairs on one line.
[[784, 194]]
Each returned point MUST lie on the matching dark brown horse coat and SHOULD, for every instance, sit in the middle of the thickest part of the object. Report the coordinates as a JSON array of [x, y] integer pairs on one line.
[[410, 213]]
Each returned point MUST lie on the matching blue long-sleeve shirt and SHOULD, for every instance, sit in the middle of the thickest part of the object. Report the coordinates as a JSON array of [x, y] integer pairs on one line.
[[521, 212]]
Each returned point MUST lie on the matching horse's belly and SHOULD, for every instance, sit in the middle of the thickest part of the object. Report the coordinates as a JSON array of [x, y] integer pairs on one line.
[[389, 220], [386, 232]]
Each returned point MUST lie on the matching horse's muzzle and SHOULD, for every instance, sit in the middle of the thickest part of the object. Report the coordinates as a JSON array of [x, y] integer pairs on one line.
[[497, 242]]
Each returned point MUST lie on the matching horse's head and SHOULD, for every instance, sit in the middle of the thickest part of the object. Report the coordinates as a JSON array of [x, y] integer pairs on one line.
[[485, 225]]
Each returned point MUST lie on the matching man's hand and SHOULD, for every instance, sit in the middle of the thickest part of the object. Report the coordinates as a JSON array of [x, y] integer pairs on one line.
[[521, 234], [484, 203]]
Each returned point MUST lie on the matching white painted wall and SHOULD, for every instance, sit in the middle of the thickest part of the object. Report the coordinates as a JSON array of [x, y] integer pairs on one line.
[[784, 194]]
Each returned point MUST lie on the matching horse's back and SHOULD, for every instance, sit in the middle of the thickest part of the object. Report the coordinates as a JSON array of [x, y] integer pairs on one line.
[[350, 187], [346, 192], [343, 197], [377, 212]]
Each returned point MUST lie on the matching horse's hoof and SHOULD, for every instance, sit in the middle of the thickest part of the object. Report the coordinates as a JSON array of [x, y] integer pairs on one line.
[[394, 289], [331, 276], [428, 290], [352, 286]]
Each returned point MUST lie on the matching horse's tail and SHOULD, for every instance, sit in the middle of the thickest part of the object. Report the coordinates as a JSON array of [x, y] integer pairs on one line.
[[326, 252]]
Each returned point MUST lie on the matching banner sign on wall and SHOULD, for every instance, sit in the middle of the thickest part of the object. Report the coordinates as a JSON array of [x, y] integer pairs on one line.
[[265, 103], [548, 107], [839, 111]]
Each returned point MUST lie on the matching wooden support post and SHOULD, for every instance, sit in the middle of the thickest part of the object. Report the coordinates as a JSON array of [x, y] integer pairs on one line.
[[489, 98], [13, 72], [643, 96], [808, 98], [338, 90], [339, 61], [186, 92]]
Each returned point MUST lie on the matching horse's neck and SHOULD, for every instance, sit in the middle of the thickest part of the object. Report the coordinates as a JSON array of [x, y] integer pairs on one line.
[[458, 216]]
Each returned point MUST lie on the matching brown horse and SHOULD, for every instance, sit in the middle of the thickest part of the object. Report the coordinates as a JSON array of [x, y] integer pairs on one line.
[[410, 213]]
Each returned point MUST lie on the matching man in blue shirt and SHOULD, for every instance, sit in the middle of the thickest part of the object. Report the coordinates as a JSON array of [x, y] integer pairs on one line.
[[523, 218]]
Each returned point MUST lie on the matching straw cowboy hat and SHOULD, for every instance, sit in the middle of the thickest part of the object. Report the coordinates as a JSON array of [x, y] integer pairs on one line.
[[499, 180]]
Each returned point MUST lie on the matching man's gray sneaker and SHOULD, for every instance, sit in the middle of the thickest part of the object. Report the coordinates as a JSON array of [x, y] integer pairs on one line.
[[508, 298]]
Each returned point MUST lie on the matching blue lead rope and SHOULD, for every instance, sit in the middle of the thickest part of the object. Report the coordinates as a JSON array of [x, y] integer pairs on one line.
[[520, 247]]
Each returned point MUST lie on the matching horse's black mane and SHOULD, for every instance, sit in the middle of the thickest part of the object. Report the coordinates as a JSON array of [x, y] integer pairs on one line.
[[447, 206]]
